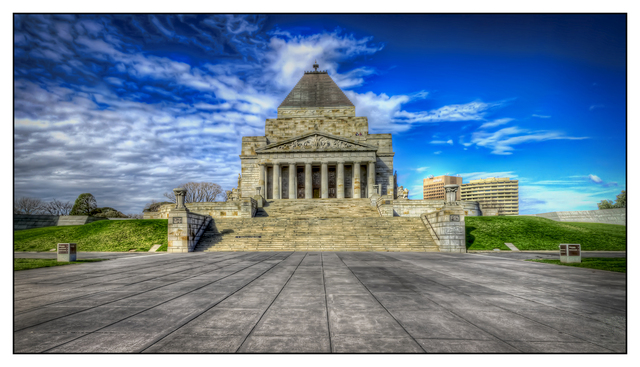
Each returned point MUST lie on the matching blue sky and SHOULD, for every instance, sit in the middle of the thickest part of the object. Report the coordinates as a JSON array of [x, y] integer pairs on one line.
[[127, 107]]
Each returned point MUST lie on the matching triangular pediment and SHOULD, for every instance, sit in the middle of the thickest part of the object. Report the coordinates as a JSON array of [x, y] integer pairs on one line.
[[317, 141]]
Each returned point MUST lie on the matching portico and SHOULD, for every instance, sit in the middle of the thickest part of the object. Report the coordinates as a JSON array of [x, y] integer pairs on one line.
[[321, 178]]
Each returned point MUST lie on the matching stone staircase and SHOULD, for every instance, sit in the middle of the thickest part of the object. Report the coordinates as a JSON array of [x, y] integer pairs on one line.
[[318, 208], [317, 234]]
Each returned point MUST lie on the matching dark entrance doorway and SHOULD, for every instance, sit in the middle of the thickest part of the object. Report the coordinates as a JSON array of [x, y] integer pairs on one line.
[[315, 178], [332, 182], [300, 189]]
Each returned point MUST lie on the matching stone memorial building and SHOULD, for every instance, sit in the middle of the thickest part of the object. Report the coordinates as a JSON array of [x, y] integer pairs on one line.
[[317, 148], [318, 181]]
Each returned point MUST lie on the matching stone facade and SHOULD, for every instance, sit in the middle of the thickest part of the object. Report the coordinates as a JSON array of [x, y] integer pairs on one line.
[[415, 208], [316, 148]]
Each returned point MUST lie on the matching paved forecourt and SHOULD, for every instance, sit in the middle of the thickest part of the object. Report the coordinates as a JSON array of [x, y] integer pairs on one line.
[[297, 302]]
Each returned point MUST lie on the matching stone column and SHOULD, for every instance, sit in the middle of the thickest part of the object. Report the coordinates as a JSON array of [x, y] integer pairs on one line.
[[340, 181], [324, 180], [262, 179], [356, 180], [371, 178], [276, 181], [292, 181], [308, 187]]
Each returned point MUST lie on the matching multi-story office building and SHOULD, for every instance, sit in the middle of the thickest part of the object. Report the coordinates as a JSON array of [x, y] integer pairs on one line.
[[493, 192], [433, 187]]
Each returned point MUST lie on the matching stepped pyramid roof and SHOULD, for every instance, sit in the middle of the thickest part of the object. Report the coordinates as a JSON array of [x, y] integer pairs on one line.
[[316, 89]]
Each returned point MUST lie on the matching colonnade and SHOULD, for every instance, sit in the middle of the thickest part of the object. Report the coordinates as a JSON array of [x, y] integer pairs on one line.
[[324, 179]]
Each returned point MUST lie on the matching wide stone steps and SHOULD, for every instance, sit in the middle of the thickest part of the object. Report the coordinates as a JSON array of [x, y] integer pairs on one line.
[[317, 234], [318, 208]]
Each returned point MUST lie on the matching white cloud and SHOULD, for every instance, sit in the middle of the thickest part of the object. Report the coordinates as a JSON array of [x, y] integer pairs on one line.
[[438, 152], [502, 142], [421, 169], [540, 116], [595, 178], [495, 123], [450, 142]]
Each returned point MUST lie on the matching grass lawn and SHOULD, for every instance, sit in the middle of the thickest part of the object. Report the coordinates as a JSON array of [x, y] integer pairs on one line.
[[602, 263], [25, 264], [531, 233], [104, 235]]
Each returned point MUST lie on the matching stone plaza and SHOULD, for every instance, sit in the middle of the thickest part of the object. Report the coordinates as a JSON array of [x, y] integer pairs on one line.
[[319, 302]]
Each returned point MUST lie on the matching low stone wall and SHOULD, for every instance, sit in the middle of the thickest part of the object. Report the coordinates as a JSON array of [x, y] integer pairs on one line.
[[607, 216], [385, 206], [244, 208], [28, 221], [415, 208]]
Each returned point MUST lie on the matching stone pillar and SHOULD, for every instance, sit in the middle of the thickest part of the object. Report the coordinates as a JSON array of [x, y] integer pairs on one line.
[[356, 180], [390, 186], [450, 193], [371, 178], [340, 181], [276, 181], [178, 226], [262, 179], [292, 181], [308, 187], [324, 180]]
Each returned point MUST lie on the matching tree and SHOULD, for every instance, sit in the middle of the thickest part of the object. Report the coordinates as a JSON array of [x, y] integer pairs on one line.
[[605, 204], [198, 192], [26, 205], [84, 205], [621, 200], [56, 207]]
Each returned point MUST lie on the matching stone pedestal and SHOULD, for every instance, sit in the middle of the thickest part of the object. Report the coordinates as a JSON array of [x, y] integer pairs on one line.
[[447, 228], [66, 252]]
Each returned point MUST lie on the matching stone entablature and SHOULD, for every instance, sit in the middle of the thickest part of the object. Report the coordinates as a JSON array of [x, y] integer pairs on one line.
[[316, 142], [348, 127], [288, 112]]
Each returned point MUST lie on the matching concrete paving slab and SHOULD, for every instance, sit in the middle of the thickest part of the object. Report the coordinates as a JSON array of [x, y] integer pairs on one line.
[[293, 321], [286, 344], [559, 347], [465, 346], [439, 325], [372, 344]]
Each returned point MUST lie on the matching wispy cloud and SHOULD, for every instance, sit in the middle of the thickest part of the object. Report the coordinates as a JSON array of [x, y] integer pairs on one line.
[[480, 175], [420, 169], [450, 142], [595, 106], [438, 152], [495, 123], [541, 116], [502, 142]]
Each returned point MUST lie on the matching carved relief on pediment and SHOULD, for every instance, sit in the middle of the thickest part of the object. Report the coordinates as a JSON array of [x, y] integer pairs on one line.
[[316, 142]]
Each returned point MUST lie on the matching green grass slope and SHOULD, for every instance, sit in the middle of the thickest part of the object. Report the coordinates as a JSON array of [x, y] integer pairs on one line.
[[105, 235], [531, 233]]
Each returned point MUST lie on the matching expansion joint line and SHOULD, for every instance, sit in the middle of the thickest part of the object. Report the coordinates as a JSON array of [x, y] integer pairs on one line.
[[381, 305], [169, 300], [326, 302], [274, 299]]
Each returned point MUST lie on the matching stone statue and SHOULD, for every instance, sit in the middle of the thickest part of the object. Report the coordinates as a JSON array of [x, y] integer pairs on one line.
[[405, 194], [239, 180]]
